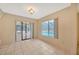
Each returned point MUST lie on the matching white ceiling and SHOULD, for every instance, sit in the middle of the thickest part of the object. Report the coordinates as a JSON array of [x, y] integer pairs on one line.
[[41, 9]]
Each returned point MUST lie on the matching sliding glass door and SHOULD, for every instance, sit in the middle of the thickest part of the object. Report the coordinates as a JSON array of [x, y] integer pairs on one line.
[[24, 31], [27, 31]]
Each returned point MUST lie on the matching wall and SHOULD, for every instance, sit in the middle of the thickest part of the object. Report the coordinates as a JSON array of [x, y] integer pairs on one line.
[[7, 27], [67, 29], [78, 36]]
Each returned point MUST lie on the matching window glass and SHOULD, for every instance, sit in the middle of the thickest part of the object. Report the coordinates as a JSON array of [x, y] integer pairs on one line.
[[45, 28], [49, 28]]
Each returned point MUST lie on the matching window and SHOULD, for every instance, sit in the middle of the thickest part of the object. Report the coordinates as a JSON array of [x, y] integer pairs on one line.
[[49, 28], [45, 28], [24, 31]]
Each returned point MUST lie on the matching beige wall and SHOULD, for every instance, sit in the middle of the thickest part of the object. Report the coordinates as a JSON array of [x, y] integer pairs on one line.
[[78, 35], [67, 29], [7, 27]]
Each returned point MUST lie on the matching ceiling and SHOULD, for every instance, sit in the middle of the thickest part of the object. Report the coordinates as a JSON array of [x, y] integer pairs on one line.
[[41, 9]]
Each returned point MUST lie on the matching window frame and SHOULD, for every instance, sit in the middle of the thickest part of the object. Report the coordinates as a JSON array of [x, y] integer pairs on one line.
[[55, 29]]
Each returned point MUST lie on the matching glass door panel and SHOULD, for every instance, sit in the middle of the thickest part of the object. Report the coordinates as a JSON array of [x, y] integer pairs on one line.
[[18, 31], [24, 35], [28, 31]]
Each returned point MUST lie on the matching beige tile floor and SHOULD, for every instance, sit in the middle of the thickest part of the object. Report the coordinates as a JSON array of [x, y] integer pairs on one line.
[[30, 47]]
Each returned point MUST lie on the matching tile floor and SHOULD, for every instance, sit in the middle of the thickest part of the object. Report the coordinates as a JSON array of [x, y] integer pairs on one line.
[[30, 47]]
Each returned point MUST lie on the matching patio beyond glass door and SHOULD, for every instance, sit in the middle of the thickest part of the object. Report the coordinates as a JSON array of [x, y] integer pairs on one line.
[[24, 31], [27, 31], [18, 31]]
